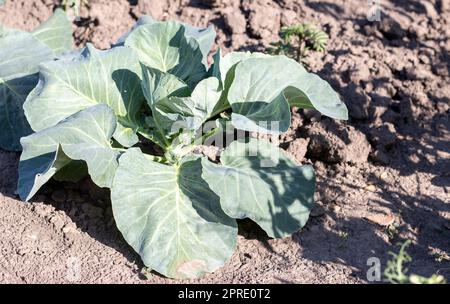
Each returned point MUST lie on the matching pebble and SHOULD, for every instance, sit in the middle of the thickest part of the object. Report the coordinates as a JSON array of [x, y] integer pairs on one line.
[[235, 21], [69, 228], [381, 219], [336, 208], [371, 188]]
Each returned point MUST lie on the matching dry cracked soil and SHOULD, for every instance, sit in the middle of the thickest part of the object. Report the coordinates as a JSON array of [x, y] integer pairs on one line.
[[383, 176]]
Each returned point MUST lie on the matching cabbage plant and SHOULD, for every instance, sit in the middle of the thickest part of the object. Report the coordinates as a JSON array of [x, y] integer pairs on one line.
[[133, 116]]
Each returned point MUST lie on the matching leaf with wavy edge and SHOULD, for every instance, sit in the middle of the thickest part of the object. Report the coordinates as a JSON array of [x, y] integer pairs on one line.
[[263, 79], [188, 113], [20, 55], [170, 217], [163, 46], [18, 68], [271, 116], [256, 180], [67, 86], [56, 32], [205, 37], [223, 68], [83, 136], [158, 85], [173, 106]]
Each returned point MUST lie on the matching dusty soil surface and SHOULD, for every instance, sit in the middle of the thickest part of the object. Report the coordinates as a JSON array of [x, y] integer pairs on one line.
[[388, 165]]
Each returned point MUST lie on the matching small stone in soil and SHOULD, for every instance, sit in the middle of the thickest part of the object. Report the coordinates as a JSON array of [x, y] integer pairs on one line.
[[381, 219], [298, 148], [371, 188], [333, 143]]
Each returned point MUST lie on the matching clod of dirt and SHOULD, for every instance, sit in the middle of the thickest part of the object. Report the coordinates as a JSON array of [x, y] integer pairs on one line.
[[413, 73], [13, 13], [381, 219], [360, 72], [391, 29], [68, 229], [385, 135], [357, 101], [264, 19], [333, 142], [94, 192], [8, 167], [318, 210], [371, 188], [288, 18], [57, 221], [108, 28], [235, 21], [379, 114], [312, 115], [154, 8], [298, 148], [213, 3], [441, 69]]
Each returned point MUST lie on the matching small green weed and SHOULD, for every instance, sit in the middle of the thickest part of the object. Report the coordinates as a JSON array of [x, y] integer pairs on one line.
[[298, 39], [392, 230], [74, 5], [396, 273]]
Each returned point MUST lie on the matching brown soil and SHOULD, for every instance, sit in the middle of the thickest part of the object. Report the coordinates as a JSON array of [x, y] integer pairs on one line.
[[389, 162]]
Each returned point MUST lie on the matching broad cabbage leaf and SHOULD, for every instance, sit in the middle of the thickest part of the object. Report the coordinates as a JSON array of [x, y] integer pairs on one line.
[[256, 180], [84, 136], [20, 55], [67, 86], [170, 216]]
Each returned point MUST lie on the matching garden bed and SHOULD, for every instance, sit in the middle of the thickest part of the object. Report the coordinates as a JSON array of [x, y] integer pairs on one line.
[[383, 176]]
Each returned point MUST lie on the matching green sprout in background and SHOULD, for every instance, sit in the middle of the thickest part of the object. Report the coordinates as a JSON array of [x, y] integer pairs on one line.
[[396, 273], [74, 5], [298, 39]]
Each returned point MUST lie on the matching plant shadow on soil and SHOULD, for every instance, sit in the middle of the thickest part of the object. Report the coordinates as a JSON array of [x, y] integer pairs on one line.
[[352, 240], [87, 205]]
